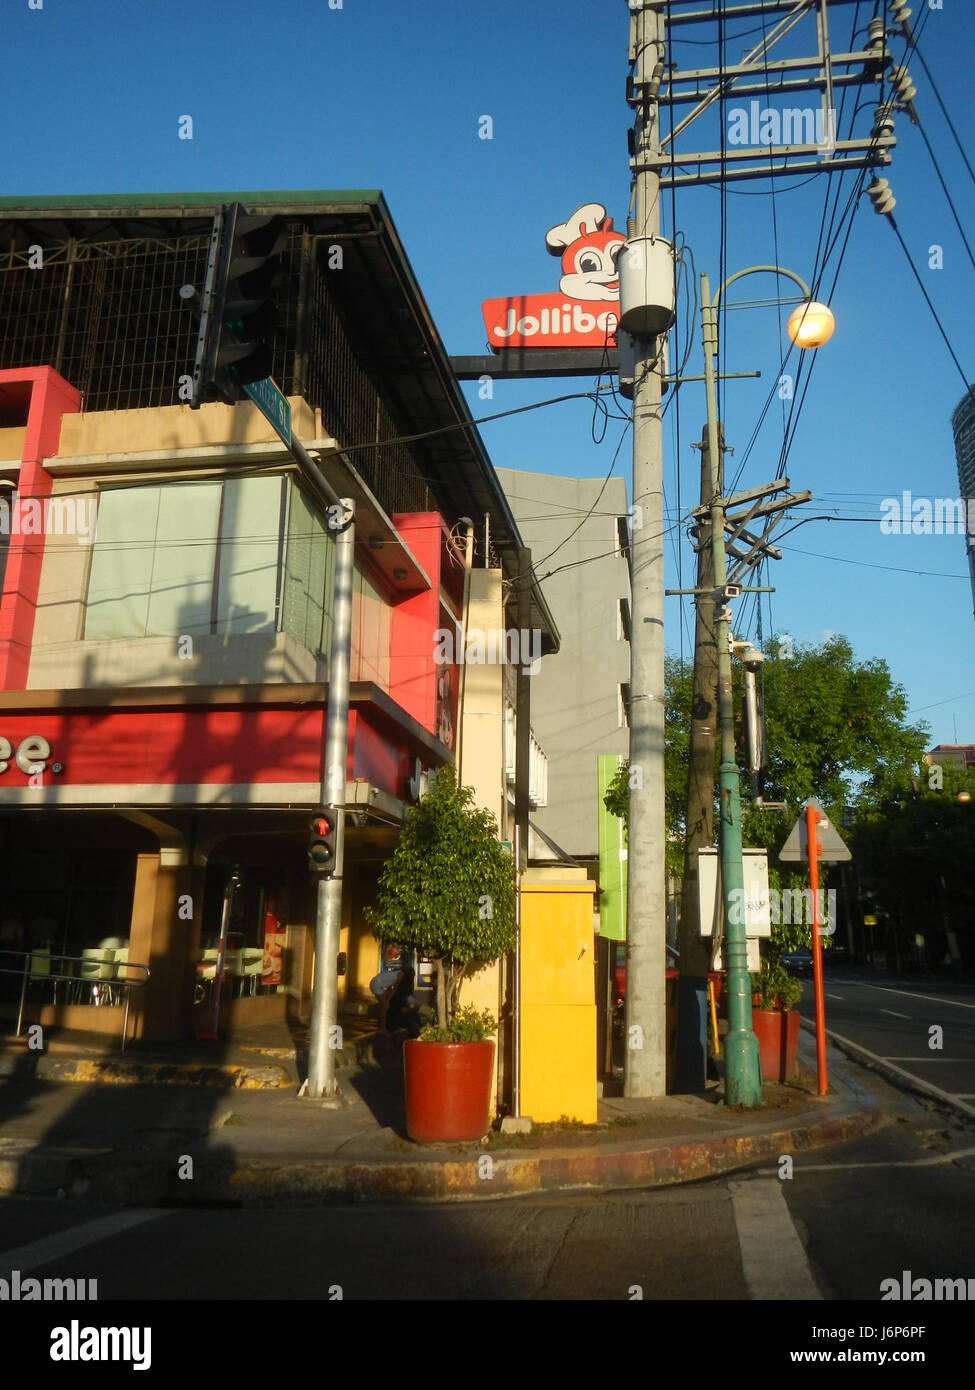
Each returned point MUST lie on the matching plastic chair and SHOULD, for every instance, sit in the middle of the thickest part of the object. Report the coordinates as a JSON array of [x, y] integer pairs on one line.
[[97, 965], [120, 976], [251, 968]]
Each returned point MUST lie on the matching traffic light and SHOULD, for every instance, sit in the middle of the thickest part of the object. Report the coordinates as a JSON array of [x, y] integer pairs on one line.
[[321, 843], [243, 310]]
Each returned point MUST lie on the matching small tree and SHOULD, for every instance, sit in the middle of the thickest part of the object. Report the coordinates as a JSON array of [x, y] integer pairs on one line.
[[447, 890]]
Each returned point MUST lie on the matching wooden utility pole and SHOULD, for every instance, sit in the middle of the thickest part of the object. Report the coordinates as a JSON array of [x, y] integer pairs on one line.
[[695, 950]]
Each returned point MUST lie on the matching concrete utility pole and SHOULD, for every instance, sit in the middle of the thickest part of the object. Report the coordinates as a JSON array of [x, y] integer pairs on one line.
[[645, 1067], [695, 950]]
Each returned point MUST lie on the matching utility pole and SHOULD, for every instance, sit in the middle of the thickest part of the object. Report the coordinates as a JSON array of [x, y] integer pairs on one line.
[[695, 950], [743, 1082], [645, 1067]]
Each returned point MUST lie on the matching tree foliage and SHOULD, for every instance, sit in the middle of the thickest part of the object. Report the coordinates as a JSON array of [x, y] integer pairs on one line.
[[447, 890], [836, 729]]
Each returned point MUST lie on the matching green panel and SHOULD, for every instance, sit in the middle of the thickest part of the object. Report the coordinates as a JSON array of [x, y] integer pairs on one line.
[[249, 554], [612, 856], [183, 560], [120, 581], [308, 575]]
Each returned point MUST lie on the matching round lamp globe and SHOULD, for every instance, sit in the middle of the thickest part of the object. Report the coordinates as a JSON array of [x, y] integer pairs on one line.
[[811, 324]]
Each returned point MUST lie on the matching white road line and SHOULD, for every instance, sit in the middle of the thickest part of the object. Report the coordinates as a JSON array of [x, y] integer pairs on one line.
[[892, 1014], [772, 1256], [834, 996], [893, 1163], [56, 1247], [949, 1096], [931, 998]]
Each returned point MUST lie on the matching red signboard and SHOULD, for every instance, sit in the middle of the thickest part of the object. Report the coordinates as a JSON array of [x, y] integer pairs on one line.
[[585, 310]]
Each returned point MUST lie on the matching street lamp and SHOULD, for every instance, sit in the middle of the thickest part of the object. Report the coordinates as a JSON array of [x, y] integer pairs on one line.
[[810, 325]]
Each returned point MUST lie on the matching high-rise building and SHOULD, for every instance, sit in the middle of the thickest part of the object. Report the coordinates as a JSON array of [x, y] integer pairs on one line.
[[963, 425], [578, 532]]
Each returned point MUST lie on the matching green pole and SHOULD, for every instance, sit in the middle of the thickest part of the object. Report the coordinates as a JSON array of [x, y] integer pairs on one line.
[[743, 1084]]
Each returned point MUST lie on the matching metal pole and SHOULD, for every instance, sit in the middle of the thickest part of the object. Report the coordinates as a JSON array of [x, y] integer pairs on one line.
[[324, 1036], [516, 1049], [645, 1064], [233, 882], [742, 1075], [695, 950], [813, 850], [465, 613]]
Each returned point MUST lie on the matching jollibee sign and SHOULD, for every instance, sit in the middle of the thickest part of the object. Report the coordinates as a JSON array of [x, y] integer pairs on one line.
[[576, 316]]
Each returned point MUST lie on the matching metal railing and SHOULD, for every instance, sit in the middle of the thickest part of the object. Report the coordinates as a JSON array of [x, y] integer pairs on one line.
[[29, 970]]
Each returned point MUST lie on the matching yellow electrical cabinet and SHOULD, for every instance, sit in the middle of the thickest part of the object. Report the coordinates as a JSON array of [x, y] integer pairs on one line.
[[558, 1001]]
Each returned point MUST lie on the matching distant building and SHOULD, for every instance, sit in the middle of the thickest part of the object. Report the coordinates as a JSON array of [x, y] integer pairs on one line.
[[963, 425], [960, 755], [578, 527]]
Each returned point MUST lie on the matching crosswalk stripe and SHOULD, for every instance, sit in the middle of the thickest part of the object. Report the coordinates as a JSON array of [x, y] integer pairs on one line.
[[63, 1243], [772, 1256]]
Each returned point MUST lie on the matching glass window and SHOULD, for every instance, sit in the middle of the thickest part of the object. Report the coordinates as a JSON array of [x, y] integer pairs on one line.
[[309, 568], [244, 555]]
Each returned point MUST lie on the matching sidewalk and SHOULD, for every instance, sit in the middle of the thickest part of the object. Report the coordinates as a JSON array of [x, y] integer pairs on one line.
[[222, 1124]]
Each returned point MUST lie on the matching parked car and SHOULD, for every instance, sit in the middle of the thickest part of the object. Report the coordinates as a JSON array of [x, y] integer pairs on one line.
[[798, 962]]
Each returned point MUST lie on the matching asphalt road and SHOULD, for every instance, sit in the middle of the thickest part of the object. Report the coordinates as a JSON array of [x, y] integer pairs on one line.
[[924, 1030], [845, 1219]]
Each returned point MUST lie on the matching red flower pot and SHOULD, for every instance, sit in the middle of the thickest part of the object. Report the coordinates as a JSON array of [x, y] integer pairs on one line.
[[778, 1037], [448, 1090]]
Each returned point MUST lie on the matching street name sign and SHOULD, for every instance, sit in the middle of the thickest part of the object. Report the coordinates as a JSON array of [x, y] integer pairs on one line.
[[273, 405]]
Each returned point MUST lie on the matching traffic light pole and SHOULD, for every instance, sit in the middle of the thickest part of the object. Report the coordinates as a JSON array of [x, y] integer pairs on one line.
[[324, 1035]]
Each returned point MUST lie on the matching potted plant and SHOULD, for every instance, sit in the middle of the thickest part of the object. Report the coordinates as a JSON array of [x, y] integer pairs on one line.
[[774, 1020], [447, 892]]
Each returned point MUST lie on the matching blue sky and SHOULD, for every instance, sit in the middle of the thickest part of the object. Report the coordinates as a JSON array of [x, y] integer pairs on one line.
[[388, 95]]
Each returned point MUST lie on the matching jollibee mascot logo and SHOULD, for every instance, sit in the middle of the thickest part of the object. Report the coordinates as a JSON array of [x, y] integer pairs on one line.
[[589, 248]]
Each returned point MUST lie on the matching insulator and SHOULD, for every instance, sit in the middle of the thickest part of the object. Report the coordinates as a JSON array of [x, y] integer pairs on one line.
[[901, 13], [883, 120], [880, 195], [900, 80]]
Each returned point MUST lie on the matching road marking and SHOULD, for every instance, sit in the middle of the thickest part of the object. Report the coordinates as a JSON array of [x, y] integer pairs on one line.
[[772, 1257], [834, 996], [893, 1163], [892, 1014], [56, 1247], [931, 998], [926, 1086]]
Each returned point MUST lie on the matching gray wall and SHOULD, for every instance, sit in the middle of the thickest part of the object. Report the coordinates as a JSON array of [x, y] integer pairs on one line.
[[575, 697]]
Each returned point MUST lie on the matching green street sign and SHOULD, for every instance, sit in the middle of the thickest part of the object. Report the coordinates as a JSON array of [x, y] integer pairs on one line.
[[273, 405]]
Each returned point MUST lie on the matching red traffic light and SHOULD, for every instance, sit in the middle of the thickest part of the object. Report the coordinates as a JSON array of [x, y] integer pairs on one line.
[[321, 844]]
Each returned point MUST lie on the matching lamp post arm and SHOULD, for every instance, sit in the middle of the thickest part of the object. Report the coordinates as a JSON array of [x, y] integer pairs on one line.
[[759, 269]]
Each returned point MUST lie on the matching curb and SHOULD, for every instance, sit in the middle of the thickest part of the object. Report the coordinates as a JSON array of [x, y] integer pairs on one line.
[[152, 1180], [897, 1076], [108, 1071]]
